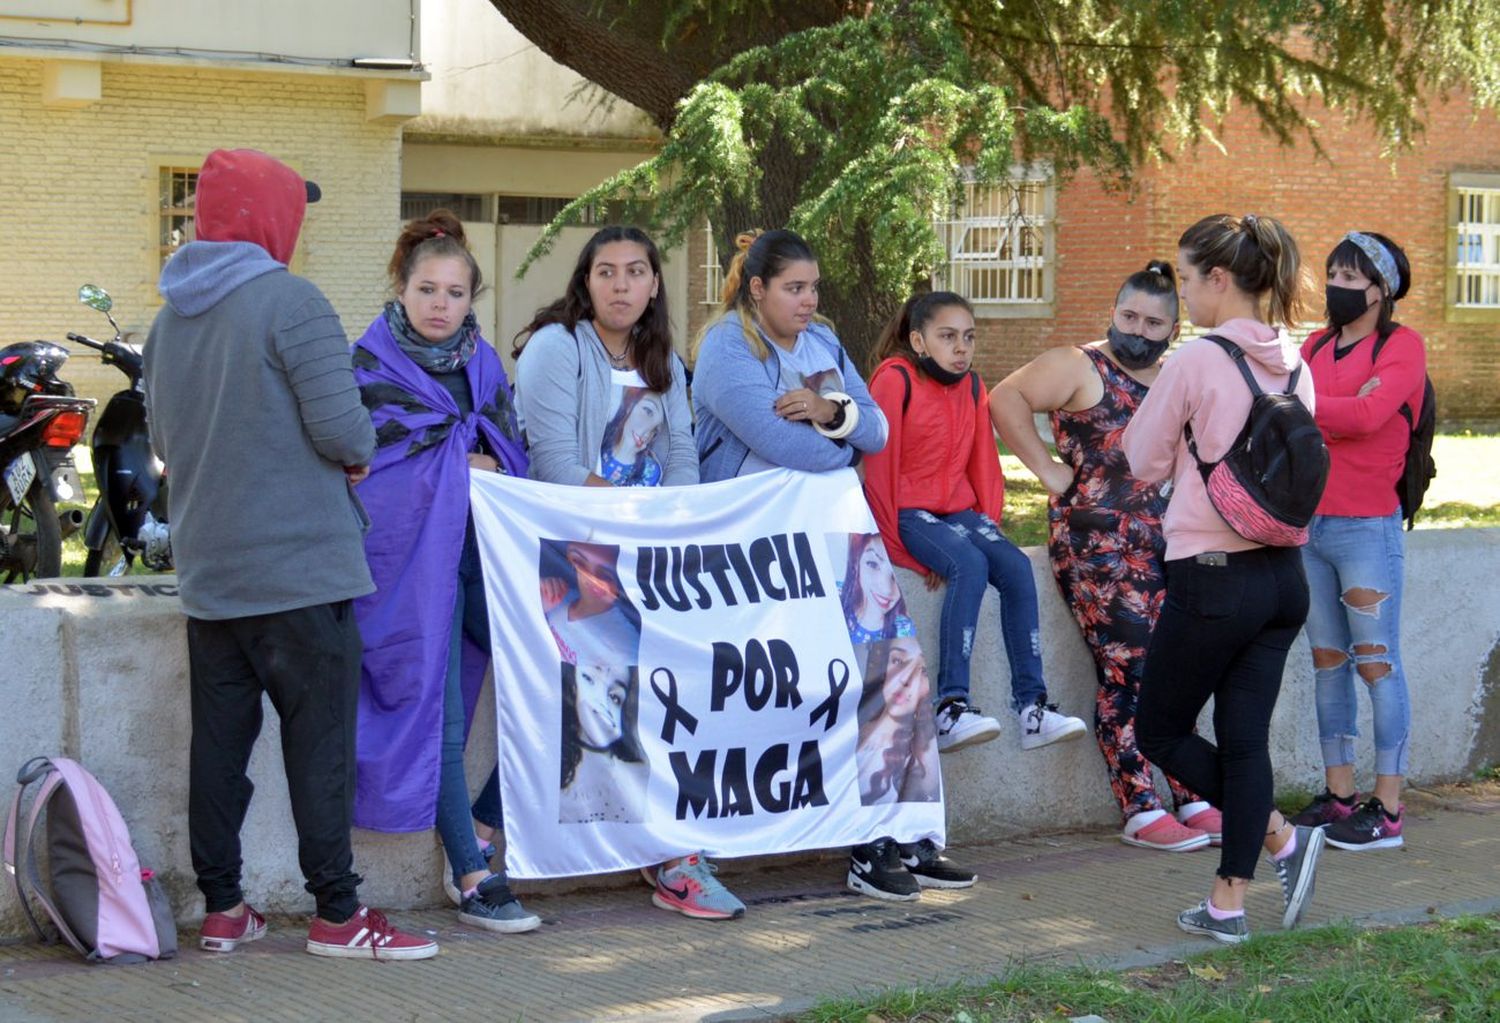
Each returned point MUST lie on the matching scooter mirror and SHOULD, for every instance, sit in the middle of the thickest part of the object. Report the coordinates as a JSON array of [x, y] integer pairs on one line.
[[95, 297]]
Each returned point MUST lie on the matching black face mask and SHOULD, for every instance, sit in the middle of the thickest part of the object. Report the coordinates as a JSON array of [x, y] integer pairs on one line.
[[1345, 305], [927, 364], [1135, 351]]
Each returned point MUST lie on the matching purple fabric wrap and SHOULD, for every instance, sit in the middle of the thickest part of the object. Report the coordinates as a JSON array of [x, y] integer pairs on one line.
[[417, 495]]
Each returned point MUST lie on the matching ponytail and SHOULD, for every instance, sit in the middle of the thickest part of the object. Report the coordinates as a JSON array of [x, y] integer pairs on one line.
[[1259, 254], [915, 314], [763, 254]]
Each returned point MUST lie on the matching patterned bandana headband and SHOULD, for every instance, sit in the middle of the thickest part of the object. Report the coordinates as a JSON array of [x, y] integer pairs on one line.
[[1385, 263]]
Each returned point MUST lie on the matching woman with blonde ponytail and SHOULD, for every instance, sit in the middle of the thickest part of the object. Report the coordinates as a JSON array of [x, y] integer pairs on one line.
[[772, 384], [1233, 606]]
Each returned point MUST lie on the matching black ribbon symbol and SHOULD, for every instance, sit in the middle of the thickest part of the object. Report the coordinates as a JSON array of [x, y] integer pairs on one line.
[[838, 681], [675, 713]]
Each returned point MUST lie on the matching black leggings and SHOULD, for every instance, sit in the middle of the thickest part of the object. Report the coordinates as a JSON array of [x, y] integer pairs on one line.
[[1224, 633]]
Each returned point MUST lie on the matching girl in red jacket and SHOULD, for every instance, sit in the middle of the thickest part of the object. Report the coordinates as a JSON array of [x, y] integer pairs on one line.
[[937, 494]]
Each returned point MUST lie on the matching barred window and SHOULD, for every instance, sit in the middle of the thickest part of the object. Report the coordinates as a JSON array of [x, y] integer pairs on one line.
[[712, 272], [1476, 256], [999, 243], [177, 188]]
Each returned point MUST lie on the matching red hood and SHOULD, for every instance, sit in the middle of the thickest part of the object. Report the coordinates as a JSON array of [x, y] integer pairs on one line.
[[246, 196]]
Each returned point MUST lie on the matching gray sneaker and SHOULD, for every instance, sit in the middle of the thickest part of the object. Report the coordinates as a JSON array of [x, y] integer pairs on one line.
[[495, 908], [1298, 872], [1198, 921]]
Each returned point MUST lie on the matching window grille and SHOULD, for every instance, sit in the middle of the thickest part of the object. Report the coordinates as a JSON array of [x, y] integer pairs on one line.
[[1476, 260], [999, 241]]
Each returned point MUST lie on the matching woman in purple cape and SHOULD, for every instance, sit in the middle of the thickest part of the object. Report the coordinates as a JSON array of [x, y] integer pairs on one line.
[[442, 407]]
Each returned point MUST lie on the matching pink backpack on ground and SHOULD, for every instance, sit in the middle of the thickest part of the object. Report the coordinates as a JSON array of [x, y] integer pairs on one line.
[[102, 902]]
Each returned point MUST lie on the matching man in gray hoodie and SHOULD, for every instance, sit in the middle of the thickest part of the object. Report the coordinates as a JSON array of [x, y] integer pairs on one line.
[[253, 407]]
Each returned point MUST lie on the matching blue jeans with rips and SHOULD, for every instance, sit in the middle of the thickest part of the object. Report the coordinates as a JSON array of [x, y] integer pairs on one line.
[[1346, 553], [968, 550], [455, 817]]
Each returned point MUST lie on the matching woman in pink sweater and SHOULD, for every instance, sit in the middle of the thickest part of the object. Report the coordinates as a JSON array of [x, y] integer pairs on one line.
[[1367, 369], [1233, 607]]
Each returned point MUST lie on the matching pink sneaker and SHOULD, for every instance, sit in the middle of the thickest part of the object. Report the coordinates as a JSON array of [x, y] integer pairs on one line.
[[224, 933], [1166, 834], [1207, 820], [366, 935]]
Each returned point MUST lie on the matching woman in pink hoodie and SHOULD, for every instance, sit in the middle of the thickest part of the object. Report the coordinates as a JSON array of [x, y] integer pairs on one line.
[[1233, 606]]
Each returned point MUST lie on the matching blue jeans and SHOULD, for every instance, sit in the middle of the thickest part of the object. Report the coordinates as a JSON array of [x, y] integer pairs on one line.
[[455, 817], [968, 550], [1342, 554]]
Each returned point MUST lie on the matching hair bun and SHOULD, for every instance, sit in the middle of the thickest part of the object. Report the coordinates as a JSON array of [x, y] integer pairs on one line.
[[1160, 266], [745, 239]]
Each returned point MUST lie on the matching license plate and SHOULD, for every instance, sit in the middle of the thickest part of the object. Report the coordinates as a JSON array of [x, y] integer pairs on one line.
[[19, 476]]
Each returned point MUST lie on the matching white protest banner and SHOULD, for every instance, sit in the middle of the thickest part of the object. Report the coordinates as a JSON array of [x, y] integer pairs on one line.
[[726, 667]]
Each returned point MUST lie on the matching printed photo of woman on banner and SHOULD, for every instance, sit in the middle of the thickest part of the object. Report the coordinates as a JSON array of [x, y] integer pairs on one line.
[[874, 608], [897, 755], [597, 630]]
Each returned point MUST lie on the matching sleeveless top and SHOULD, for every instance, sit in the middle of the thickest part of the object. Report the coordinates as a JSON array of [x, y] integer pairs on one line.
[[1089, 441]]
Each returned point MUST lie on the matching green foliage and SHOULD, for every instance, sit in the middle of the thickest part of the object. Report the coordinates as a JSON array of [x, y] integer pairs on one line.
[[857, 124]]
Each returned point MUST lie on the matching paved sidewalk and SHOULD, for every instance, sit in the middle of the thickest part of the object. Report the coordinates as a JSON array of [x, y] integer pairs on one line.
[[610, 956]]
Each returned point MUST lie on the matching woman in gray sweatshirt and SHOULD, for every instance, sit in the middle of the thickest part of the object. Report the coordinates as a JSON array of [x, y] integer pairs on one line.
[[602, 397]]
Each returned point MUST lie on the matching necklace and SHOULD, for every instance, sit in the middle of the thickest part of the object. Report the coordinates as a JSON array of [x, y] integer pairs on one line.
[[621, 361]]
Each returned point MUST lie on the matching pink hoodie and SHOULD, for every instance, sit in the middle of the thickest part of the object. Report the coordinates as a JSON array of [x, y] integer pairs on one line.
[[1199, 384]]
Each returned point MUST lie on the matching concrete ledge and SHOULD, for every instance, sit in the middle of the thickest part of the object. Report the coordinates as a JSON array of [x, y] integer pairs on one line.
[[98, 671]]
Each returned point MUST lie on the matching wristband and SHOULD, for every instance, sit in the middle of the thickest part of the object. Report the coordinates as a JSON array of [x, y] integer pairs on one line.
[[846, 419]]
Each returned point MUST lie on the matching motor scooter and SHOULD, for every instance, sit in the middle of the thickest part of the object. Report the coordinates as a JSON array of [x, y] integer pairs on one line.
[[129, 518], [40, 421]]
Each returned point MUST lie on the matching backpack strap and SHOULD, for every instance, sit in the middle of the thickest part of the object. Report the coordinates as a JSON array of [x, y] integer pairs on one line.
[[20, 853], [1405, 410], [906, 382], [1237, 353], [1328, 336]]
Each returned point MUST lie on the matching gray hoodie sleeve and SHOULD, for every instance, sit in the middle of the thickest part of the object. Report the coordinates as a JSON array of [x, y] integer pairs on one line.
[[682, 456], [737, 388], [548, 399], [314, 352]]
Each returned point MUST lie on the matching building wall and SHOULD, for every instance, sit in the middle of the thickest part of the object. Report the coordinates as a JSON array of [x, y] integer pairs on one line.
[[80, 199], [1104, 235], [328, 29], [488, 79]]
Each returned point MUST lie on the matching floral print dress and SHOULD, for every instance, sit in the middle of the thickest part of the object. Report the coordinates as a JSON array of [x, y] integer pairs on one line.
[[1106, 546]]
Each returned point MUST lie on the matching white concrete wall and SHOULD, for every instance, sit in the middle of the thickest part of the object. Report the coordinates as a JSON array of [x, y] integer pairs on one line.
[[489, 79], [328, 29], [98, 671]]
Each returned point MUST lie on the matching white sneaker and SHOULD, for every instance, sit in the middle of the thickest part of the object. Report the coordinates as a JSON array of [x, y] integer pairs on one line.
[[960, 725], [1041, 725]]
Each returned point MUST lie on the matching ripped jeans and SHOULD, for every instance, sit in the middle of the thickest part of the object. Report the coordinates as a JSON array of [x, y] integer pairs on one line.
[[1354, 572], [969, 551]]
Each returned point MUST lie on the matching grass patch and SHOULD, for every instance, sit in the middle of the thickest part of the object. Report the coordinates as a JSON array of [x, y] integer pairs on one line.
[[1448, 970]]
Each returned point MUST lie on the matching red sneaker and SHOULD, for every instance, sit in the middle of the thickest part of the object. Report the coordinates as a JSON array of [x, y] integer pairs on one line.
[[1166, 834], [366, 935], [1207, 820], [224, 933]]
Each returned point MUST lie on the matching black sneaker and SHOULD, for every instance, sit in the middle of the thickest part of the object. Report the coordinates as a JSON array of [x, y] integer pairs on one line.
[[1368, 827], [495, 908], [875, 870], [1298, 873], [1325, 809], [932, 869]]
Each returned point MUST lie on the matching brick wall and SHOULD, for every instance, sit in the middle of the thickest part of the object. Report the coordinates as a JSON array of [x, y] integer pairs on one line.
[[1102, 236], [80, 190]]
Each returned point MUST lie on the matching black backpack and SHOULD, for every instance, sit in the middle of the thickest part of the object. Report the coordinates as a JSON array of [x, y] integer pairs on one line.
[[1418, 472], [1268, 484]]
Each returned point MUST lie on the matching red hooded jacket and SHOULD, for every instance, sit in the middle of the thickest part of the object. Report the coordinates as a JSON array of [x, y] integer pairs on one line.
[[246, 196], [940, 456]]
